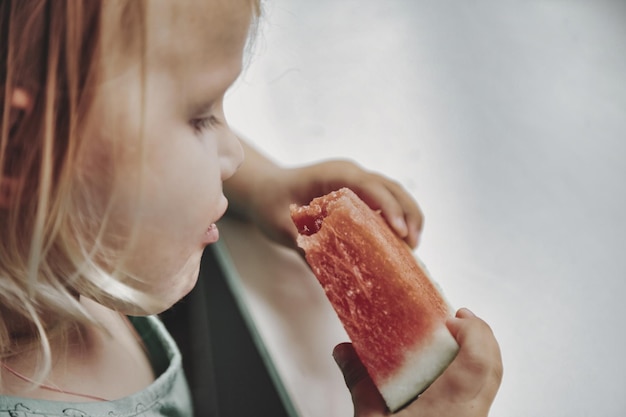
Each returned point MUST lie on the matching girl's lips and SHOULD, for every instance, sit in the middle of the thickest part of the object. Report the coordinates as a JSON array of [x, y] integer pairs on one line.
[[212, 235]]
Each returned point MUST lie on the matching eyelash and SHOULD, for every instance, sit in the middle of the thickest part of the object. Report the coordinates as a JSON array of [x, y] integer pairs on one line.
[[204, 123]]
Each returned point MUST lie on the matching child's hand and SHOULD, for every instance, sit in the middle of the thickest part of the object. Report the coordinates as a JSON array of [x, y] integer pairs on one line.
[[466, 389], [269, 204]]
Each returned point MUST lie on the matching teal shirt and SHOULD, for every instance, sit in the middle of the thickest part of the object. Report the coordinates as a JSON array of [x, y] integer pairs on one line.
[[167, 396]]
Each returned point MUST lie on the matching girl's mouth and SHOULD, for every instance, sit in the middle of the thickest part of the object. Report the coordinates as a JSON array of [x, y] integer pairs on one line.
[[212, 235]]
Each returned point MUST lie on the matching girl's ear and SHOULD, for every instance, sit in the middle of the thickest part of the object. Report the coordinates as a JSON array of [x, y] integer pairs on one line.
[[21, 103], [20, 100]]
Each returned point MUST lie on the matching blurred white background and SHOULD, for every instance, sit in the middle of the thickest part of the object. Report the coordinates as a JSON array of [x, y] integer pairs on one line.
[[507, 122]]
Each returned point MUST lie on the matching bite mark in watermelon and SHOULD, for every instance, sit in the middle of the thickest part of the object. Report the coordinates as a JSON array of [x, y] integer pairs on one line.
[[392, 311]]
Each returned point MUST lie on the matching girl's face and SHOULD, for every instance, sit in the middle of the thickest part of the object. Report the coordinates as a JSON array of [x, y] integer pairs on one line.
[[170, 161]]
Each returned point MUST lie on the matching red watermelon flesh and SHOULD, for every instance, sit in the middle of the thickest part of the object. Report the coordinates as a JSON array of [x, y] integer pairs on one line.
[[392, 311]]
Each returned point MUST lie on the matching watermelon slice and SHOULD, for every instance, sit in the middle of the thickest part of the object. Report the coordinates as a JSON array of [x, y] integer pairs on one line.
[[392, 311]]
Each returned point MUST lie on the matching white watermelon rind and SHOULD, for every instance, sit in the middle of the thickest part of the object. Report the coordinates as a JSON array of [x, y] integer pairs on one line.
[[424, 365], [419, 370]]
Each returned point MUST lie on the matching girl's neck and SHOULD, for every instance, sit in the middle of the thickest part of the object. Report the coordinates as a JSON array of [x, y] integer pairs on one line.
[[77, 354], [24, 336]]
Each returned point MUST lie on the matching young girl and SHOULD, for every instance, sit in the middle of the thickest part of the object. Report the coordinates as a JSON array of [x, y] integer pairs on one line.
[[115, 160]]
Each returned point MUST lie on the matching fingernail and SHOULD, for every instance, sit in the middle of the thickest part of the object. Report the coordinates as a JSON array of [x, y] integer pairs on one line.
[[338, 360], [340, 357], [466, 312], [400, 225]]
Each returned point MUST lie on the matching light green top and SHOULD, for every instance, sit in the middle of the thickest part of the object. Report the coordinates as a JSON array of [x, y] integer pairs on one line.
[[167, 396]]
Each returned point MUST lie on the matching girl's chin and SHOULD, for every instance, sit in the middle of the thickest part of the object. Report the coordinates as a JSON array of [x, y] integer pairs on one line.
[[156, 302], [184, 284], [167, 300], [160, 289]]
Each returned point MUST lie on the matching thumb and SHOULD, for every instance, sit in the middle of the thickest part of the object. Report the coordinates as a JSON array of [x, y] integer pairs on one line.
[[365, 397]]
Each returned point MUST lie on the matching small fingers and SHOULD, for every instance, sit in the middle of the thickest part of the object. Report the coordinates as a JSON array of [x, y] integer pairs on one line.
[[469, 330], [366, 398], [479, 350], [347, 360], [397, 206], [409, 212]]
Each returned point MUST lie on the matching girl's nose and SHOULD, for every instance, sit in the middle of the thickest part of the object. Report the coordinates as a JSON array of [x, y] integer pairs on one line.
[[231, 154]]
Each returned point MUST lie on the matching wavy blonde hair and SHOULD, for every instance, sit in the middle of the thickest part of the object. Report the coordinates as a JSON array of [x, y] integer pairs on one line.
[[53, 224]]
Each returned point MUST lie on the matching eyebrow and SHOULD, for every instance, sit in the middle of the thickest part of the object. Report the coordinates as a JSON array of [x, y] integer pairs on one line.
[[205, 106]]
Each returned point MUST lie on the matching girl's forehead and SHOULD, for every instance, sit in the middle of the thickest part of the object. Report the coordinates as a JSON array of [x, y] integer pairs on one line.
[[190, 43], [196, 28]]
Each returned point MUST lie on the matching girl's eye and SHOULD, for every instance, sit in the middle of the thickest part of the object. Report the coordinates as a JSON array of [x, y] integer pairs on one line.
[[203, 123]]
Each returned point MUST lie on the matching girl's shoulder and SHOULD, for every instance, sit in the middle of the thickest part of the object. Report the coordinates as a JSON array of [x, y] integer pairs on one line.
[[169, 392]]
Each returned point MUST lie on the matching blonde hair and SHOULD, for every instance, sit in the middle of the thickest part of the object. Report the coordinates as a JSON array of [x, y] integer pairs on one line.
[[52, 226]]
